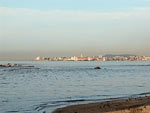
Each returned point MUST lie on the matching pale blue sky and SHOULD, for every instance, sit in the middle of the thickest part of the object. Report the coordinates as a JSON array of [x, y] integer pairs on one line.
[[86, 5], [30, 28]]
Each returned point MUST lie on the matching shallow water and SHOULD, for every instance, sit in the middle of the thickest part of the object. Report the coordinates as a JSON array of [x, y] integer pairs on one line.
[[52, 85]]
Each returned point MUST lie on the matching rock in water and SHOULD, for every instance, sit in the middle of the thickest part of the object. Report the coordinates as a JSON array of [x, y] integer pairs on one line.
[[97, 68]]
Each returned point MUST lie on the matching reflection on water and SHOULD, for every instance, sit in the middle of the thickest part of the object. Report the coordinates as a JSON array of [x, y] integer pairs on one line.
[[50, 85]]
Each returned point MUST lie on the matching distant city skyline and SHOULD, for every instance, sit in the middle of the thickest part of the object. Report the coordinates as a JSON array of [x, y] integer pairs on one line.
[[108, 57], [30, 28]]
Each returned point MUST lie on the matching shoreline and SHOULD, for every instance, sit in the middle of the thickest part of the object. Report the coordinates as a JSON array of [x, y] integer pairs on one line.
[[130, 105]]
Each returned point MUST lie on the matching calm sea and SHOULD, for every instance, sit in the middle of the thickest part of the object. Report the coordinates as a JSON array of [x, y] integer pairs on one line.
[[51, 85]]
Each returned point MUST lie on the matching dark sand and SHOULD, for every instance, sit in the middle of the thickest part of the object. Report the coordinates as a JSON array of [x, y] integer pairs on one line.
[[131, 105]]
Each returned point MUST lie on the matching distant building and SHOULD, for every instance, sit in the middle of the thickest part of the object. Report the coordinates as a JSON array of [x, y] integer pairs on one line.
[[81, 55], [38, 58]]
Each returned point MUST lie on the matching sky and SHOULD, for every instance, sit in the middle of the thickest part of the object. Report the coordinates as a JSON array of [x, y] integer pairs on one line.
[[30, 28]]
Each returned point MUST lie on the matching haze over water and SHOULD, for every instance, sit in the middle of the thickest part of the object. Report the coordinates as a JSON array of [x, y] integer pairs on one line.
[[31, 28], [51, 85]]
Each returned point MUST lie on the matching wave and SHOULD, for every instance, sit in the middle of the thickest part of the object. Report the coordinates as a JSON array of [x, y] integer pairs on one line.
[[64, 103], [61, 103], [136, 65], [147, 93]]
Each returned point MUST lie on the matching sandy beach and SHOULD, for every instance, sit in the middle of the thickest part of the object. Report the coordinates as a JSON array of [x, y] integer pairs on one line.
[[130, 105]]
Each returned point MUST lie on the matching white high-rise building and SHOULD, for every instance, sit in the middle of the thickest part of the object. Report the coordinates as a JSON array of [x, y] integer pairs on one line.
[[38, 58], [81, 55]]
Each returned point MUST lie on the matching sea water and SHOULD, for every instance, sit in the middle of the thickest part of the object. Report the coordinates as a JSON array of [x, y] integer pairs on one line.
[[51, 85]]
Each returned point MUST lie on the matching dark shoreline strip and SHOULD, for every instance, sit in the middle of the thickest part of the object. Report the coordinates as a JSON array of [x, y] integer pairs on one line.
[[108, 106]]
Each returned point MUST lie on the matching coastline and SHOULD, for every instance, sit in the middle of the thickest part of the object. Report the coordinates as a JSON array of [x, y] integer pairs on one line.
[[130, 105]]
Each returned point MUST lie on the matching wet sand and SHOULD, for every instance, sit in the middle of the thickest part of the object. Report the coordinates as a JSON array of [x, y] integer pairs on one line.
[[131, 105]]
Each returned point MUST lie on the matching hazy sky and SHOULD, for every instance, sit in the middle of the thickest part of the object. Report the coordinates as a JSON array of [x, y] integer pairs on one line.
[[30, 28]]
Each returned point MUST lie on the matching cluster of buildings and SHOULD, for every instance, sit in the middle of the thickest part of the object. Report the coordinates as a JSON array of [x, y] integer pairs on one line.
[[95, 58]]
